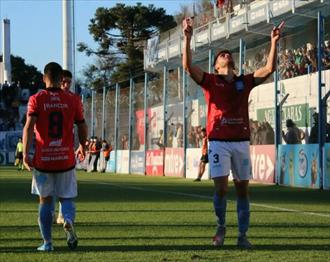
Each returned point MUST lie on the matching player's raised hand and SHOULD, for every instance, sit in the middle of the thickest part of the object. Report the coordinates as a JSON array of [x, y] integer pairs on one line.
[[276, 32], [27, 163], [187, 26]]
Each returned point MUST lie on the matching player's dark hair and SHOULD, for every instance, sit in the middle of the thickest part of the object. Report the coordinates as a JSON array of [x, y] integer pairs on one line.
[[54, 72], [224, 51], [67, 73], [203, 129]]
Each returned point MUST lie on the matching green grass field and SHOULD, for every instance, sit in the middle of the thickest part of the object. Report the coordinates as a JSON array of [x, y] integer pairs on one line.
[[136, 218]]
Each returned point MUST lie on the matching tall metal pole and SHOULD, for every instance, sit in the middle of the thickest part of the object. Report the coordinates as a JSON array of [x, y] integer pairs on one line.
[[165, 105], [103, 112], [241, 56], [184, 86], [210, 61], [145, 120], [92, 114], [321, 118], [278, 122], [67, 36], [130, 122], [6, 51], [116, 123]]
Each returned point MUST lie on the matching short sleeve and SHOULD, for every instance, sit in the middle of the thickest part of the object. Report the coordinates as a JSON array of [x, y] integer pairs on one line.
[[207, 81], [32, 107]]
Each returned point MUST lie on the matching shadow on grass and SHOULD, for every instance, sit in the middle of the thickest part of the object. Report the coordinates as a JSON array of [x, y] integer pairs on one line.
[[186, 248], [157, 238], [270, 227]]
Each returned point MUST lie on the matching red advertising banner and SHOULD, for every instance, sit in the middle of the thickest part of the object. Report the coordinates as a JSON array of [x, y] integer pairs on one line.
[[263, 163], [155, 163], [174, 164]]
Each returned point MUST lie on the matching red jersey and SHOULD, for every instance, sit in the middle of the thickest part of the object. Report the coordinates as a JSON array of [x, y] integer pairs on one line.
[[56, 112], [228, 113]]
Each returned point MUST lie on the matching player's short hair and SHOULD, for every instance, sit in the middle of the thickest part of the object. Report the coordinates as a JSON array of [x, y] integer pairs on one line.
[[67, 73], [54, 72], [203, 129]]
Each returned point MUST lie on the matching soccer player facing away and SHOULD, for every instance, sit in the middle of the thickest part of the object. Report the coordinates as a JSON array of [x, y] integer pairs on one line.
[[51, 115], [227, 128], [65, 86], [204, 159]]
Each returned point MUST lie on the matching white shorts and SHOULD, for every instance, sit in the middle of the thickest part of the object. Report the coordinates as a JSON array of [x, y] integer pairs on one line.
[[226, 156], [62, 185]]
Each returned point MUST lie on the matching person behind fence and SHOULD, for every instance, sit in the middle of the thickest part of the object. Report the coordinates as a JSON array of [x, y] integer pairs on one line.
[[50, 116], [226, 95], [293, 134], [314, 136], [204, 159], [19, 155]]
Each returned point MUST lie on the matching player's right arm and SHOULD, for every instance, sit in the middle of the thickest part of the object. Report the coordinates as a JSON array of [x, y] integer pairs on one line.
[[27, 139], [193, 71]]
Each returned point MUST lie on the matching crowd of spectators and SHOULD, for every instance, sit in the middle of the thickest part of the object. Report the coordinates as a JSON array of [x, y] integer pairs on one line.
[[293, 62], [12, 96]]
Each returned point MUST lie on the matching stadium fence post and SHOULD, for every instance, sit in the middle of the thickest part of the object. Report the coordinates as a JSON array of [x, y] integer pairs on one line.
[[116, 123], [145, 120], [130, 122], [321, 117], [103, 112], [164, 106], [184, 104], [92, 114]]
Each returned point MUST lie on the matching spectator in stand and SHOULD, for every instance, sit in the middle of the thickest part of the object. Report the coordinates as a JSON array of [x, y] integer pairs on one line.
[[293, 135], [314, 136]]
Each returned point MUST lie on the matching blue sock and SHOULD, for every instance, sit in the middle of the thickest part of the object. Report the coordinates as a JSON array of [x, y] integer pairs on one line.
[[45, 220], [68, 209], [220, 206], [243, 215]]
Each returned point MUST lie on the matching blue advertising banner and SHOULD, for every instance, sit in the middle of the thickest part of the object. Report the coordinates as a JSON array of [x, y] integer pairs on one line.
[[326, 166], [297, 166], [137, 162], [111, 165]]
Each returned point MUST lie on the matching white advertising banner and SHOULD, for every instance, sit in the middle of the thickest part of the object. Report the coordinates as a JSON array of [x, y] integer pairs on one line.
[[193, 156], [122, 161]]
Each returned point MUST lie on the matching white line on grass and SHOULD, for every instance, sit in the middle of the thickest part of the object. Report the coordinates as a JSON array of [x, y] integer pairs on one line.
[[208, 197]]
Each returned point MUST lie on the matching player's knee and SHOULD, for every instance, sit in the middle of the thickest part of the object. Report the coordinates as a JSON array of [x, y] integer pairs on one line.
[[222, 191], [47, 199]]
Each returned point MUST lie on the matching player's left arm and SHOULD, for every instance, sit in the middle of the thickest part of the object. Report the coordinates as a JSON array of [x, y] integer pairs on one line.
[[262, 73], [27, 140], [82, 128]]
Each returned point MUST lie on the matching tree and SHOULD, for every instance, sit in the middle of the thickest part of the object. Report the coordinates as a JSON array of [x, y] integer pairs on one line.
[[24, 73], [121, 33]]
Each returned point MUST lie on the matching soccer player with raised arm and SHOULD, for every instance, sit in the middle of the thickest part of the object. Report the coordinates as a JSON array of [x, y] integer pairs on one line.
[[227, 128], [51, 115]]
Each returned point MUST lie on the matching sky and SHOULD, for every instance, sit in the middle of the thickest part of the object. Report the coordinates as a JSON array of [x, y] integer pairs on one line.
[[36, 27]]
